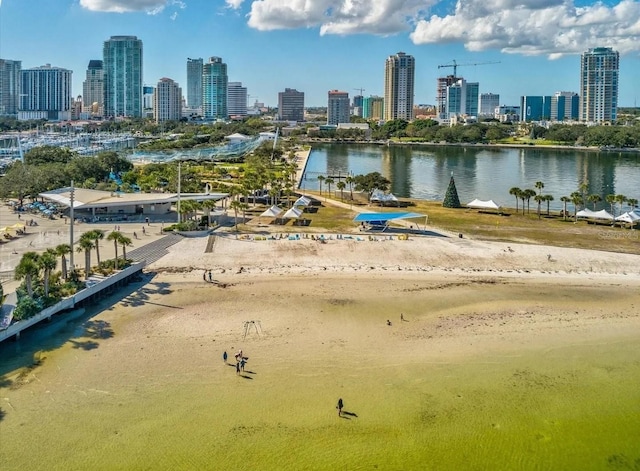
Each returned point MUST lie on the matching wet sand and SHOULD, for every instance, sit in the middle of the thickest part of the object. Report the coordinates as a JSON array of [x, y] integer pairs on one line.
[[505, 360]]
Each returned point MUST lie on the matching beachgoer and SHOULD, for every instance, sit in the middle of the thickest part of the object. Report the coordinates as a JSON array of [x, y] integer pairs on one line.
[[210, 276], [401, 316], [238, 368], [224, 356], [147, 221], [242, 363], [339, 407], [143, 230], [388, 322], [135, 236]]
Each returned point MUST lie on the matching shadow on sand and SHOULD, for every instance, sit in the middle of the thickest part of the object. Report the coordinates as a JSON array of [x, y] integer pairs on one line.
[[77, 327]]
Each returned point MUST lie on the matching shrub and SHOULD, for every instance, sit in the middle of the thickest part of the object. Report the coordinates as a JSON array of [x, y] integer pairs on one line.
[[26, 308]]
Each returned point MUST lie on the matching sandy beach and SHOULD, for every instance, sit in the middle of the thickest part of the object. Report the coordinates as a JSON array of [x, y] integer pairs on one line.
[[509, 357]]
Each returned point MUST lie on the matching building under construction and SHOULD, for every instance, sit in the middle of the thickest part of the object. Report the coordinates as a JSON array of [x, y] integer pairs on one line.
[[441, 97]]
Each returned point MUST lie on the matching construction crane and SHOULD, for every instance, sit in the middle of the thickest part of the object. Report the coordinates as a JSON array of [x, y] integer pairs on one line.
[[360, 90], [455, 65]]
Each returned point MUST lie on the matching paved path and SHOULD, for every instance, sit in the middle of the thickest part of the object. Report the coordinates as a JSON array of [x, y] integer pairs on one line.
[[155, 250]]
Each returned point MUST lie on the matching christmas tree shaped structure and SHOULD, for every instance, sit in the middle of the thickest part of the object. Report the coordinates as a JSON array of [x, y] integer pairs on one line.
[[451, 199]]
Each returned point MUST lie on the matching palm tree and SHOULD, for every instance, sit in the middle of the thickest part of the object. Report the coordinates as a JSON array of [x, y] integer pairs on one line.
[[548, 199], [633, 202], [115, 237], [350, 181], [539, 186], [321, 178], [28, 269], [85, 244], [125, 242], [47, 262], [61, 251], [236, 205], [620, 199], [565, 200], [539, 199], [528, 194], [611, 200], [96, 236], [341, 186], [329, 182], [594, 199], [515, 191], [577, 200]]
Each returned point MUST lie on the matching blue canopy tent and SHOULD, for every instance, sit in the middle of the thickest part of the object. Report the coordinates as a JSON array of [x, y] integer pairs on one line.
[[380, 221]]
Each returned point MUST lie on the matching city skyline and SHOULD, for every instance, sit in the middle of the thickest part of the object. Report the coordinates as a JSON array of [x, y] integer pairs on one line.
[[327, 46]]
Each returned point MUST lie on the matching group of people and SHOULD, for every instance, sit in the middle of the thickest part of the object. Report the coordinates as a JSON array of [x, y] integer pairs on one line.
[[241, 361]]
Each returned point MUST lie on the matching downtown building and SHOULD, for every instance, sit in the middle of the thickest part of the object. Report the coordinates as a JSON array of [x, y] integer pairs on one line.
[[93, 89], [599, 74], [214, 89], [122, 62], [565, 106], [373, 107], [194, 85], [45, 93], [338, 107], [9, 87], [562, 106], [236, 100], [167, 101], [291, 105], [399, 74], [462, 99], [488, 104]]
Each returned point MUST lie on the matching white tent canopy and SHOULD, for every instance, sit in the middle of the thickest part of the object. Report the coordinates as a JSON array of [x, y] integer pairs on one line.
[[382, 197], [602, 214], [480, 204], [302, 201], [273, 212], [631, 217], [293, 213]]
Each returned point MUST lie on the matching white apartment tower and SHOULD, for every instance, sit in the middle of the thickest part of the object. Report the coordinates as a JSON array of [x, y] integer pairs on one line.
[[236, 100], [338, 109], [167, 101], [599, 70], [9, 86], [46, 93]]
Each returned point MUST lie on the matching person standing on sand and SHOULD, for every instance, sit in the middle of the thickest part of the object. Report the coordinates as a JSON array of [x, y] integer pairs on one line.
[[237, 368], [339, 407], [224, 357], [242, 363]]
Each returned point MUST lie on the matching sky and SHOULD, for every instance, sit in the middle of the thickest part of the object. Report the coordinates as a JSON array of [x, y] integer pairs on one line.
[[511, 47]]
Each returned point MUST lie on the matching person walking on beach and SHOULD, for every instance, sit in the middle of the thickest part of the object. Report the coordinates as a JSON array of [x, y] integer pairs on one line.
[[339, 407], [238, 368], [210, 276], [224, 357], [242, 363]]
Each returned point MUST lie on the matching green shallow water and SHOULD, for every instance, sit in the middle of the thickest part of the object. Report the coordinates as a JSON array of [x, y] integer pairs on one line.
[[575, 407]]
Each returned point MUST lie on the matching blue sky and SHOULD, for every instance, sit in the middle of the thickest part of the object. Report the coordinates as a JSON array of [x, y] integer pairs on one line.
[[319, 45]]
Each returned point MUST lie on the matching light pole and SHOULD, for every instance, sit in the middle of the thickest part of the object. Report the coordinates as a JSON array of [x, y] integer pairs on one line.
[[179, 182], [71, 226]]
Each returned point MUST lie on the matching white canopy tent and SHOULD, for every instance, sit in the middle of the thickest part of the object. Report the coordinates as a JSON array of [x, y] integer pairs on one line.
[[272, 212], [602, 214], [293, 213], [630, 217], [302, 201], [379, 196], [480, 204]]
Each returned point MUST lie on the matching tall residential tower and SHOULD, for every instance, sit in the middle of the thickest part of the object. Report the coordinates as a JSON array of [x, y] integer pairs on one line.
[[46, 93], [599, 69], [9, 87], [291, 105], [167, 101], [399, 73], [93, 88], [214, 89], [338, 107], [122, 76], [194, 83]]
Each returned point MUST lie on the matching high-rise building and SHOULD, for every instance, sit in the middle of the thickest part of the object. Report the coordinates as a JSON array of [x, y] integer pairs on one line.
[[599, 70], [45, 93], [357, 105], [535, 108], [167, 101], [399, 73], [122, 62], [93, 89], [373, 107], [441, 94], [9, 86], [488, 104], [291, 105], [236, 100], [214, 89], [338, 107], [565, 106], [194, 83], [462, 99]]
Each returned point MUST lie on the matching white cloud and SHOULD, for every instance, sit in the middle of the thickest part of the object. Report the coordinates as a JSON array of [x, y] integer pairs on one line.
[[234, 4], [124, 6], [532, 27], [337, 16], [529, 27]]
